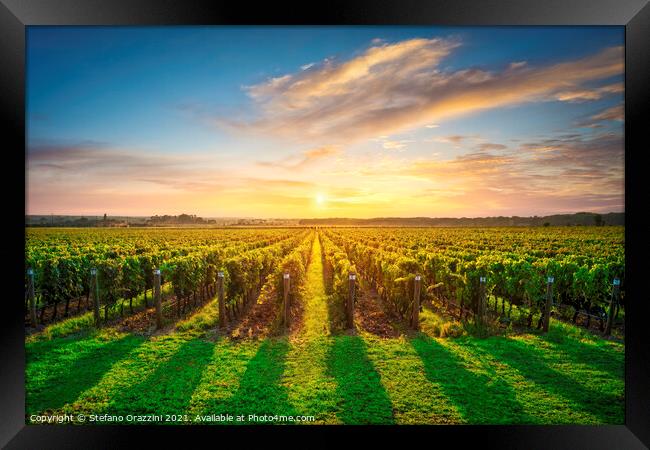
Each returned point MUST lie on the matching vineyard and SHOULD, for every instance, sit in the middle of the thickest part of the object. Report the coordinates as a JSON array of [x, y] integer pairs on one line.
[[346, 325], [121, 267], [514, 266]]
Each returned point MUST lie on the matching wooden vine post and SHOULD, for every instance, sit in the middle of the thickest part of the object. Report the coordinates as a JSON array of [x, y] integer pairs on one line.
[[157, 298], [285, 303], [221, 300], [481, 300], [31, 292], [415, 316], [613, 302], [95, 291], [352, 278], [549, 303]]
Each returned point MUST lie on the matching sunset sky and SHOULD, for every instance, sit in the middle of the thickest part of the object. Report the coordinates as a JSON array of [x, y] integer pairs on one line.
[[278, 122]]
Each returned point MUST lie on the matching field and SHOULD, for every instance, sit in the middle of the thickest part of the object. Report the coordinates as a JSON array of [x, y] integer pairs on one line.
[[475, 353]]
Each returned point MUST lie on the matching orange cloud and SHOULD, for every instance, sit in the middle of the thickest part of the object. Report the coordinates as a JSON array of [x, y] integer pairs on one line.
[[614, 113], [321, 152], [391, 88], [306, 158]]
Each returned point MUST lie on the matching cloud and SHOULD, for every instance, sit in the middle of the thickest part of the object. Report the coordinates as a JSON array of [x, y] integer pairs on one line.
[[91, 166], [393, 87], [305, 158], [456, 139], [89, 179], [272, 183], [490, 146], [567, 173], [465, 166], [396, 145], [580, 95], [90, 157], [332, 78], [602, 155], [517, 65], [614, 113], [321, 152]]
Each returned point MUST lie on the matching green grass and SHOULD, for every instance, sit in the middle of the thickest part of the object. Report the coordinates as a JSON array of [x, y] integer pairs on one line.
[[58, 371], [566, 376]]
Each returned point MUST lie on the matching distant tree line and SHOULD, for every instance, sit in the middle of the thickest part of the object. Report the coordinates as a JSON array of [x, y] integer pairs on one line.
[[118, 221], [183, 219], [578, 219], [76, 221]]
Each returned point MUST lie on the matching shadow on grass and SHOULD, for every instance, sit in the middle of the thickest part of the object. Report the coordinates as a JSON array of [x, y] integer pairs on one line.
[[530, 362], [479, 398], [364, 398], [168, 389], [260, 391], [65, 378], [598, 355]]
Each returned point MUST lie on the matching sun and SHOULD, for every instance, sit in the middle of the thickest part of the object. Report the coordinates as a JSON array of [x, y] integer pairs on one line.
[[320, 199]]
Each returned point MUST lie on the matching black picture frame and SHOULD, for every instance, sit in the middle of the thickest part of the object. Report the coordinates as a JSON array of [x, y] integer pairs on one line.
[[634, 15]]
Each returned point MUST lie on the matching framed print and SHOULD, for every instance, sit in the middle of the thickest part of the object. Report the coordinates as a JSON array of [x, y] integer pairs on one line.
[[395, 217]]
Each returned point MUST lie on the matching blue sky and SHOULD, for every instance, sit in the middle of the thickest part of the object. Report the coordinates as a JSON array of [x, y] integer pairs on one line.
[[274, 121]]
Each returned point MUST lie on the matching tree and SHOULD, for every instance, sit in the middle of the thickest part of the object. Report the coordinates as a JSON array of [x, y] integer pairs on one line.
[[598, 220]]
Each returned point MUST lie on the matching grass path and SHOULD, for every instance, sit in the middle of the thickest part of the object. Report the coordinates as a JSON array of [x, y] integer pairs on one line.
[[311, 388], [316, 321]]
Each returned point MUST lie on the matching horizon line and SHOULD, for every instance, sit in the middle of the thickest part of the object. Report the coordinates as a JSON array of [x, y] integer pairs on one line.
[[324, 218]]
